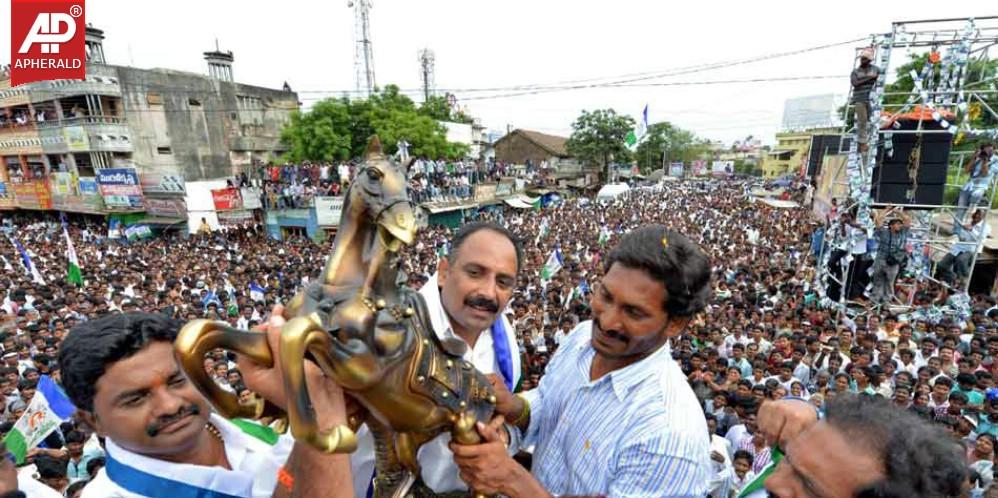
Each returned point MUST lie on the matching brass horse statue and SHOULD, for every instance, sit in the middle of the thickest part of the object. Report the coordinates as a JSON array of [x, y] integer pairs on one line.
[[371, 336]]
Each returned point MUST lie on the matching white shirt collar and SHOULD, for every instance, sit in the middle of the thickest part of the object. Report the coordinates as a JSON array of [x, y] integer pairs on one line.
[[235, 482], [483, 354]]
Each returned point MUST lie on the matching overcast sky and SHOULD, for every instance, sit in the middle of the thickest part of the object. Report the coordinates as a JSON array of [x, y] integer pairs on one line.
[[500, 44]]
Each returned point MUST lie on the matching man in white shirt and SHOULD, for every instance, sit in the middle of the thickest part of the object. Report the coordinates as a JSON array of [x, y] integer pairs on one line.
[[723, 474], [162, 439], [736, 337], [247, 316], [956, 264], [473, 283], [563, 331], [928, 351], [759, 340]]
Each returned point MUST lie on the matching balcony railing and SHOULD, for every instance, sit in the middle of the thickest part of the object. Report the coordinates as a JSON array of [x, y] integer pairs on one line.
[[12, 128], [82, 120]]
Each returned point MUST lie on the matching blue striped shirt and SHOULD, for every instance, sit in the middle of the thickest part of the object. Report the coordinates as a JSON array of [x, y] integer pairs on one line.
[[635, 432]]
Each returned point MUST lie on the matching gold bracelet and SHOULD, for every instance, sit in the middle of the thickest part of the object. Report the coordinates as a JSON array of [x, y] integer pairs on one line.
[[524, 413]]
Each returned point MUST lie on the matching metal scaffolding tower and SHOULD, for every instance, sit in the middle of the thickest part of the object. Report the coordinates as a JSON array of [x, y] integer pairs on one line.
[[949, 93], [363, 59], [426, 61]]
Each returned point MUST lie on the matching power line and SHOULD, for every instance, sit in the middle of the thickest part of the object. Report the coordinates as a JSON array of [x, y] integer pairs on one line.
[[626, 78], [537, 88], [666, 84], [502, 96]]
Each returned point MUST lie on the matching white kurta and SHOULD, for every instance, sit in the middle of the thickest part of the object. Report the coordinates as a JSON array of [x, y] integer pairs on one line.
[[435, 458], [253, 475]]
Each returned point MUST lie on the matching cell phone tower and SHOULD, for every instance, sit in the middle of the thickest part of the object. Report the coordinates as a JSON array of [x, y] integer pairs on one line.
[[426, 62], [363, 59]]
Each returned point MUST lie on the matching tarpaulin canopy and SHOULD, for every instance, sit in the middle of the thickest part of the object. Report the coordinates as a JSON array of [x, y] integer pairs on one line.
[[522, 202], [611, 191], [778, 203]]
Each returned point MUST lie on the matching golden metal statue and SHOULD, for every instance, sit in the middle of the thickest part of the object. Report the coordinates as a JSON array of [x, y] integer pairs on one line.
[[371, 336]]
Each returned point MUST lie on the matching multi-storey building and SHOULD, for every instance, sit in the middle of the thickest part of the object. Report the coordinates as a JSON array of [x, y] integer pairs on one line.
[[158, 128]]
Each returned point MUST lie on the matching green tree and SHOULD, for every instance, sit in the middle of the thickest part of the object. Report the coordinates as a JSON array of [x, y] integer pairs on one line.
[[598, 137], [744, 167], [321, 134], [897, 93], [669, 142], [339, 129], [438, 108]]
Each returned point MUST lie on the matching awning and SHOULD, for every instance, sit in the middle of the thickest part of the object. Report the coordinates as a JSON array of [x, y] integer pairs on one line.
[[444, 209], [778, 203], [521, 202], [162, 221], [779, 153], [761, 192]]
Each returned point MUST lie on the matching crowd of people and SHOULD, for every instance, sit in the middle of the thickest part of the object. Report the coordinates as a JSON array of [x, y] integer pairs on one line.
[[292, 186], [762, 337]]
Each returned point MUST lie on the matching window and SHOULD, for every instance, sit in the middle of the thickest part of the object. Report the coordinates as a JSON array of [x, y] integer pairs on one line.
[[194, 102], [154, 98], [164, 150]]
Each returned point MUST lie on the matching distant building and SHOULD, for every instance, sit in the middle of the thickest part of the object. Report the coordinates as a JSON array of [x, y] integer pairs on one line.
[[813, 111], [170, 126], [548, 154], [472, 135], [523, 146], [790, 154]]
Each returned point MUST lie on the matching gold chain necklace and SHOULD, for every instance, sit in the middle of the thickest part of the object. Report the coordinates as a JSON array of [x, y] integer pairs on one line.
[[214, 432]]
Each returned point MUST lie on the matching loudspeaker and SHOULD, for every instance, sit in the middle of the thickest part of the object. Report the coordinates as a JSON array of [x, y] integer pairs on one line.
[[898, 193], [821, 145], [930, 174], [892, 182]]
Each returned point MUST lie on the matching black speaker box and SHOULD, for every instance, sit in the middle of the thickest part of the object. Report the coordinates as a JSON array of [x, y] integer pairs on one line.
[[927, 173], [821, 145], [897, 193], [891, 178]]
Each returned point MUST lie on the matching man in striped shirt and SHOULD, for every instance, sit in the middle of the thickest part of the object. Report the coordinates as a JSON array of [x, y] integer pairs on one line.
[[613, 415]]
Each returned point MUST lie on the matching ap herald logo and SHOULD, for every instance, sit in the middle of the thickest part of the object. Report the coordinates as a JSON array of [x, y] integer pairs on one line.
[[47, 40]]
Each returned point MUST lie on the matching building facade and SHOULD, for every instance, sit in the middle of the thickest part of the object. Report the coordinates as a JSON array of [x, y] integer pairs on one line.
[[123, 134], [789, 156], [526, 146]]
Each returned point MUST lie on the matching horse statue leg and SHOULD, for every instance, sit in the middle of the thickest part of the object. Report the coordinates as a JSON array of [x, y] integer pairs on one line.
[[199, 337], [299, 336], [464, 432]]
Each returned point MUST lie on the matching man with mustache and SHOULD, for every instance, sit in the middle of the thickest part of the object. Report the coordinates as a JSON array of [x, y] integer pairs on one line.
[[613, 415], [472, 284], [864, 447], [163, 441]]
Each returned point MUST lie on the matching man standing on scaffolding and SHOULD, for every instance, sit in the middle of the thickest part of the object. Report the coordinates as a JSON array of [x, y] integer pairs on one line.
[[971, 237], [981, 169], [892, 242], [850, 238], [863, 78]]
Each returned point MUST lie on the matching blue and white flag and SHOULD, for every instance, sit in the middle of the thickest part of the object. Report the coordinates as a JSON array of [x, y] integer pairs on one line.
[[49, 407], [210, 297], [29, 267], [552, 265], [256, 292]]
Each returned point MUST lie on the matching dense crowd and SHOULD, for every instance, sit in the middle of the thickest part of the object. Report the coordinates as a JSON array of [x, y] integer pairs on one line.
[[292, 186], [763, 336]]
